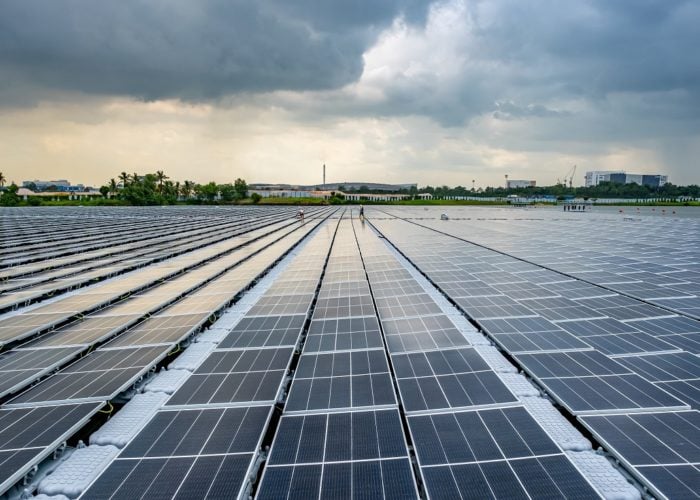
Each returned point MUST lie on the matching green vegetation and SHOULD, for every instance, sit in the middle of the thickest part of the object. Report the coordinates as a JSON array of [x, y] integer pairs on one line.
[[9, 197], [158, 189]]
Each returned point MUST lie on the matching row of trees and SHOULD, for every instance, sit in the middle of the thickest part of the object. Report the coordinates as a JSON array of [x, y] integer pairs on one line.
[[159, 189], [603, 190]]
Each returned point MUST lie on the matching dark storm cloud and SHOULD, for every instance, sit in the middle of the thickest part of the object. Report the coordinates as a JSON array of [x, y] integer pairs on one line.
[[187, 49], [511, 59], [541, 51]]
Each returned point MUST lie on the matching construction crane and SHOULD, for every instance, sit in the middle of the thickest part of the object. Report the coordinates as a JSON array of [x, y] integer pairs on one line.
[[569, 177]]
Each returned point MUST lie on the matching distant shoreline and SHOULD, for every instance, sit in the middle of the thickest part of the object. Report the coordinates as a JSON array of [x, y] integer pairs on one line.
[[319, 201]]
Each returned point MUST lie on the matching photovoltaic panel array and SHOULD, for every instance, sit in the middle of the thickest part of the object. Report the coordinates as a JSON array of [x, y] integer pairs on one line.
[[341, 435], [592, 349], [465, 450], [105, 372], [205, 440]]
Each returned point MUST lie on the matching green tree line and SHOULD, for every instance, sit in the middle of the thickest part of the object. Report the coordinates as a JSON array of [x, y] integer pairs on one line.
[[603, 190], [159, 189]]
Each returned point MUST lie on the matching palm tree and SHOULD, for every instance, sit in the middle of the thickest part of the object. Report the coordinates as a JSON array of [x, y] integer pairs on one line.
[[2, 180], [113, 186], [160, 175], [135, 178], [177, 189], [124, 177], [186, 189]]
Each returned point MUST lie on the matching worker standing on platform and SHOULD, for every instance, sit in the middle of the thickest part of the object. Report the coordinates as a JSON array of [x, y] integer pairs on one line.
[[362, 213]]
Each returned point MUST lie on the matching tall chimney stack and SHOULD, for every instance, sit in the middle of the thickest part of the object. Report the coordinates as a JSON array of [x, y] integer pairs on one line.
[[324, 176]]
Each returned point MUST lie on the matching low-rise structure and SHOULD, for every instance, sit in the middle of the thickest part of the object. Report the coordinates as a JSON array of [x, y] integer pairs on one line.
[[519, 183], [58, 185]]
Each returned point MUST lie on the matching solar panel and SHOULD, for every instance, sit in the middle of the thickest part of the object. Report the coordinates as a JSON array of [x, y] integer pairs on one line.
[[99, 376], [539, 341], [359, 454], [28, 435], [341, 380], [668, 326], [498, 453], [91, 329], [610, 393], [343, 334], [660, 447], [242, 376], [344, 289], [422, 333], [265, 331], [281, 305], [664, 367], [20, 367], [344, 307], [570, 364], [168, 330]]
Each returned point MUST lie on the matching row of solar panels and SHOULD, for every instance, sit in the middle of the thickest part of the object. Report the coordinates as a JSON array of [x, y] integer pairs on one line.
[[75, 251], [78, 228], [26, 322], [82, 388], [341, 433], [130, 243], [204, 441], [61, 277], [347, 411], [664, 271], [472, 437], [559, 345], [44, 285], [168, 322]]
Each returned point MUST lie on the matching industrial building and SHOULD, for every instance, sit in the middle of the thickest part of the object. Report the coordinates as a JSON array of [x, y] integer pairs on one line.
[[593, 178], [335, 186], [61, 185], [515, 183]]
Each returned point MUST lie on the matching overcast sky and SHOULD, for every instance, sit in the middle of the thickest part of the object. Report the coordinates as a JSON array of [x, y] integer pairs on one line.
[[380, 91]]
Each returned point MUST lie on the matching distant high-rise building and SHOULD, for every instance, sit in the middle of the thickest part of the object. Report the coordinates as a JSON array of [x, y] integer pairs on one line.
[[593, 178]]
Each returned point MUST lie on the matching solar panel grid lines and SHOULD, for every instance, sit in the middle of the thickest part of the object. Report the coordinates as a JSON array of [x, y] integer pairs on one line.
[[563, 324], [331, 330], [73, 275], [187, 453], [492, 453], [93, 378], [645, 290], [233, 478], [152, 298], [357, 475], [16, 367], [185, 248], [252, 374], [104, 387], [29, 435], [658, 448], [359, 454], [459, 361]]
